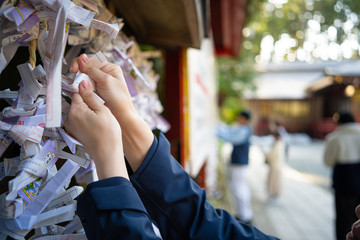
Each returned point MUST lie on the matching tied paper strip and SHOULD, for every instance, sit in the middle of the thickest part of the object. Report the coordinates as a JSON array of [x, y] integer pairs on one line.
[[10, 211], [98, 59], [25, 133], [70, 141], [39, 166], [29, 170], [20, 14], [111, 29], [65, 197], [53, 97], [31, 85], [6, 54], [74, 226], [22, 133], [31, 190], [32, 216], [52, 188]]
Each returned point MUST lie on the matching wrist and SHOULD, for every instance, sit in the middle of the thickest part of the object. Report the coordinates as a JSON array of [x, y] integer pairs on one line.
[[109, 160], [126, 117], [137, 137], [114, 167]]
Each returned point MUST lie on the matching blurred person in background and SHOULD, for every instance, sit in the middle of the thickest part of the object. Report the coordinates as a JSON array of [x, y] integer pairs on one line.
[[239, 136], [342, 153], [275, 159], [275, 126]]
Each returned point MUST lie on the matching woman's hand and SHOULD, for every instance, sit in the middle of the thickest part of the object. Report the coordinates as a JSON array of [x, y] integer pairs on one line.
[[96, 128], [110, 85]]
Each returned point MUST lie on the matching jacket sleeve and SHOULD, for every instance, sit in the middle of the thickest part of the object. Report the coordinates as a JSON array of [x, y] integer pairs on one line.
[[112, 209], [234, 135], [178, 205]]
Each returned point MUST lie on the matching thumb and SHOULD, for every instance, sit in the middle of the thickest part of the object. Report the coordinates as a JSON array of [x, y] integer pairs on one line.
[[88, 96]]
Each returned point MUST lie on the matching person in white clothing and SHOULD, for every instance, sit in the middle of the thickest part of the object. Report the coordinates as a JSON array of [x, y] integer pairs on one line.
[[275, 126], [342, 153], [275, 159]]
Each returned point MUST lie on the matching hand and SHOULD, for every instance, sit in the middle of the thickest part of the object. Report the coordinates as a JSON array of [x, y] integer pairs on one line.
[[110, 85], [96, 128], [355, 232]]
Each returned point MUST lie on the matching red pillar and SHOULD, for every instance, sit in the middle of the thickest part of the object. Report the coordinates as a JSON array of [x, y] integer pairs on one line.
[[172, 99]]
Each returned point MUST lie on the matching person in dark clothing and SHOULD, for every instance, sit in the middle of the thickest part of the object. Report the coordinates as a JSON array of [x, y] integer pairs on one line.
[[239, 136], [158, 191], [342, 153]]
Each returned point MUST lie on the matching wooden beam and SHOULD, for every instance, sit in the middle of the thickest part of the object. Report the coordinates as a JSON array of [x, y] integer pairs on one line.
[[176, 23], [228, 20], [194, 21]]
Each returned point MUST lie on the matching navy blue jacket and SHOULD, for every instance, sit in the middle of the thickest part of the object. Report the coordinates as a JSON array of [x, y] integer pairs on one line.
[[161, 192], [240, 154], [239, 136]]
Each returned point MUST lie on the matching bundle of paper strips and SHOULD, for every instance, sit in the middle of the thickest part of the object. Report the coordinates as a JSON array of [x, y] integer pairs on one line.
[[38, 187]]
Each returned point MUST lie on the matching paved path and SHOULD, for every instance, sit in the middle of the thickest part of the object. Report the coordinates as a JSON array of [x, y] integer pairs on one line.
[[306, 211]]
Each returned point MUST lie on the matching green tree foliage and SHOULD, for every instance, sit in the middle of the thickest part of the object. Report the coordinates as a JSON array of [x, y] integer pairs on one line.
[[235, 77], [299, 30], [276, 17]]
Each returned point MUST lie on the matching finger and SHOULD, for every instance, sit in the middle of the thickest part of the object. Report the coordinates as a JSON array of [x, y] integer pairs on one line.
[[357, 211], [75, 107], [113, 70], [67, 125], [92, 71], [74, 66], [89, 97], [76, 99], [349, 236]]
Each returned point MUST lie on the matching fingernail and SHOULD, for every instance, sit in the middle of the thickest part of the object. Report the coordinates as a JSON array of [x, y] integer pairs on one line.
[[84, 58], [85, 84]]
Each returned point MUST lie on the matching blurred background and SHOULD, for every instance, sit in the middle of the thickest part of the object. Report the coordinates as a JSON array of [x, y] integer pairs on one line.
[[295, 62]]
